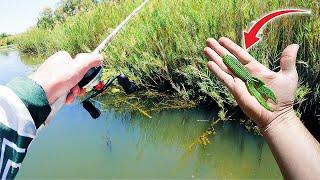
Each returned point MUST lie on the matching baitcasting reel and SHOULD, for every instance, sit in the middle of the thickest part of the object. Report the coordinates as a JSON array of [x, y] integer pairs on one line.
[[127, 85]]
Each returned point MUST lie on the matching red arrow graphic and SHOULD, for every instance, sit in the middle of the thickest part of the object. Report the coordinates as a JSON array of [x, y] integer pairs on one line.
[[250, 38]]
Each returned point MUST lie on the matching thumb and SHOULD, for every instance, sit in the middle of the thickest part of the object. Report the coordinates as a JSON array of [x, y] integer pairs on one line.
[[87, 61], [288, 58]]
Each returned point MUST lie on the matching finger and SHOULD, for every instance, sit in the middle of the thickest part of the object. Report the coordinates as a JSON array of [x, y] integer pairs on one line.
[[252, 65], [214, 45], [81, 55], [82, 92], [288, 58], [213, 56], [75, 91], [84, 62], [243, 56], [61, 55], [241, 90], [70, 98], [226, 78]]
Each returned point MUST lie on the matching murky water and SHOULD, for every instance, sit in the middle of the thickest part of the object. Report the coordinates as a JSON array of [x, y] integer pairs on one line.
[[124, 145]]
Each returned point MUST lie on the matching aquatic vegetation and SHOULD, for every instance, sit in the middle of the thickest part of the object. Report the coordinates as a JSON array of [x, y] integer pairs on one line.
[[143, 103], [203, 139], [135, 106]]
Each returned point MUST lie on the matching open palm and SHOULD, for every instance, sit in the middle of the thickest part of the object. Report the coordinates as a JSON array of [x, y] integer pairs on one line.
[[283, 83]]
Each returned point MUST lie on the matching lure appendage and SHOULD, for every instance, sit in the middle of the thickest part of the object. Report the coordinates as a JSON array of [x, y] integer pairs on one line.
[[254, 92], [264, 90]]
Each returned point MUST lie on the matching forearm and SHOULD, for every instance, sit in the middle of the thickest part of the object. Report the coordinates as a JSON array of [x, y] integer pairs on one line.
[[294, 148], [23, 109]]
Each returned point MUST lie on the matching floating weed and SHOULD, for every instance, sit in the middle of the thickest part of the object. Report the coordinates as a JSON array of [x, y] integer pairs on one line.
[[203, 139], [139, 101], [136, 106]]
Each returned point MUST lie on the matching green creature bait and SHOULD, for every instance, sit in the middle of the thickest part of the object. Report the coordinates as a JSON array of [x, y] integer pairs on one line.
[[256, 86]]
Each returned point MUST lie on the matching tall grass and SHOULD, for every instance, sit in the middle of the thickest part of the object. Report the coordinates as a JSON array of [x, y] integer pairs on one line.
[[162, 47]]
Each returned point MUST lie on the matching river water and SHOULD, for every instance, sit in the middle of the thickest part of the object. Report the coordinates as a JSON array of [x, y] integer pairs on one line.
[[128, 145]]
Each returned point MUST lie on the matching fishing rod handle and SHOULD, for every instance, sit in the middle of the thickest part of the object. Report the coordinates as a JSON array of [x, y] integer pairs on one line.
[[55, 107]]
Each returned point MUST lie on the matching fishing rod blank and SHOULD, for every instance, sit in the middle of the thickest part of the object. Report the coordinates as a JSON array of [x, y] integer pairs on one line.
[[93, 76]]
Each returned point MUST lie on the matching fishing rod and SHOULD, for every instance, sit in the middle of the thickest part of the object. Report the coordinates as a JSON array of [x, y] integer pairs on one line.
[[93, 77]]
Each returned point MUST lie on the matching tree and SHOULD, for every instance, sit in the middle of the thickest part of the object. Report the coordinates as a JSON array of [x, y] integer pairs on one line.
[[47, 19], [3, 35]]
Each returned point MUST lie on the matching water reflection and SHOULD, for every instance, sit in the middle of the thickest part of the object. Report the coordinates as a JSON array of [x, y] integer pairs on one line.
[[11, 66]]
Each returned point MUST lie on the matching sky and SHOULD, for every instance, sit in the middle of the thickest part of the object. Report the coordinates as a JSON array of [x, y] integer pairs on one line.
[[17, 16]]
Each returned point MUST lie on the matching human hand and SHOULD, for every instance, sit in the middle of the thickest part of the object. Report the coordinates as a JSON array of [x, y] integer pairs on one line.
[[60, 74], [283, 83]]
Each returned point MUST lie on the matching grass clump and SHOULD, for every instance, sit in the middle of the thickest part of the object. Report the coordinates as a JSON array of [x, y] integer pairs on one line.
[[5, 40]]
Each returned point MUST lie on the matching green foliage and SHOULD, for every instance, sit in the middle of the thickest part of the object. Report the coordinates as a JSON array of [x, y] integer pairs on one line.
[[162, 47], [49, 18], [36, 41], [301, 93], [5, 40], [3, 35]]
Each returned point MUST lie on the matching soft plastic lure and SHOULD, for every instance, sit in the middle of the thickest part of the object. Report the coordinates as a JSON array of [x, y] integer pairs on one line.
[[256, 86]]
